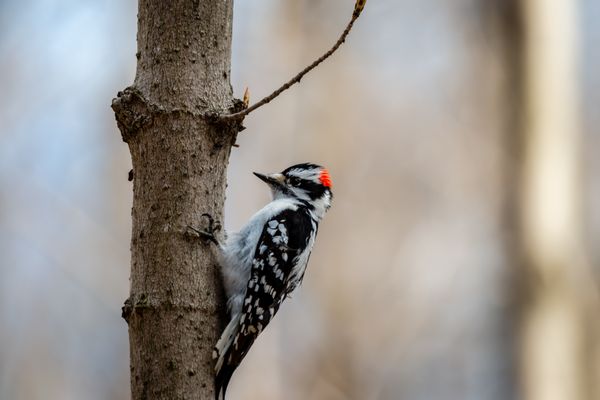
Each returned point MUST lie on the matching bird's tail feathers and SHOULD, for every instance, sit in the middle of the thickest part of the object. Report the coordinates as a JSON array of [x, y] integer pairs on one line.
[[224, 371], [222, 379]]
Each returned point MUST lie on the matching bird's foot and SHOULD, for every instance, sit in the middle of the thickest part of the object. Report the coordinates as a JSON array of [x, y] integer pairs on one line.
[[207, 234]]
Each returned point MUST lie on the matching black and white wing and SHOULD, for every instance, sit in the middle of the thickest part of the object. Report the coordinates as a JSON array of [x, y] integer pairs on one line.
[[278, 267]]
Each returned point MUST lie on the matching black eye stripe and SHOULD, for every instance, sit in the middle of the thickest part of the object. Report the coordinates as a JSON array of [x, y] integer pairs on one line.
[[314, 190], [295, 181]]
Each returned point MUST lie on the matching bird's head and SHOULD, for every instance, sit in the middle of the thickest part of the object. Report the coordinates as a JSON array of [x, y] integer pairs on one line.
[[308, 182]]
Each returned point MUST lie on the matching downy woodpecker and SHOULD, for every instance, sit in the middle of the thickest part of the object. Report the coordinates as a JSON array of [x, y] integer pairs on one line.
[[266, 260]]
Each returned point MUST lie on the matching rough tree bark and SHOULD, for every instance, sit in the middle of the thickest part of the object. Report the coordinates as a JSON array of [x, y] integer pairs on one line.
[[179, 172]]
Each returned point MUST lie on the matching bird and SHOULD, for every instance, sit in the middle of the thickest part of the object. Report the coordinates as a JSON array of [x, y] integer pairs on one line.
[[265, 261]]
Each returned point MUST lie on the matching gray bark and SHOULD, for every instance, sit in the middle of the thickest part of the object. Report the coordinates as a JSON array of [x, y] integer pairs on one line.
[[179, 158]]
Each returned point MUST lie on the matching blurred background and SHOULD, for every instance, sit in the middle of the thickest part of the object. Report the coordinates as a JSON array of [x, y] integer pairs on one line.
[[459, 260]]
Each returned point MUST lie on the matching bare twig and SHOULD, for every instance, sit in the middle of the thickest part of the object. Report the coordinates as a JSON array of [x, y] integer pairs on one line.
[[358, 7]]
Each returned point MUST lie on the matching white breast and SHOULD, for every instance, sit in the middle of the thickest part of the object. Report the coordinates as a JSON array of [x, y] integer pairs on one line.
[[239, 251]]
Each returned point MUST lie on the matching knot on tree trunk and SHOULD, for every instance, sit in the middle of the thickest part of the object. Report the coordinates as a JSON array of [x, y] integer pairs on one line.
[[132, 112], [220, 120]]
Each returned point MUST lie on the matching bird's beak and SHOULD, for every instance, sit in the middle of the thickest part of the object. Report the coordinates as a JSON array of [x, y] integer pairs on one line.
[[272, 180]]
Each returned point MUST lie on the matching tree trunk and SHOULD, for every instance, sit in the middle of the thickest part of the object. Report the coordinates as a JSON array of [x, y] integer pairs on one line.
[[179, 172]]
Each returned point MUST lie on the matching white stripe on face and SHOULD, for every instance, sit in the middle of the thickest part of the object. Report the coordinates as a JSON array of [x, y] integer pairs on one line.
[[306, 174]]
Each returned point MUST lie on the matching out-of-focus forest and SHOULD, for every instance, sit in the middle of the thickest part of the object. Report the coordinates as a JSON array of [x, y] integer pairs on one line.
[[459, 261]]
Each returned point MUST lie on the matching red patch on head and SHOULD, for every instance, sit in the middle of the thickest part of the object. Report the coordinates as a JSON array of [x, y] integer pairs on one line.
[[325, 178]]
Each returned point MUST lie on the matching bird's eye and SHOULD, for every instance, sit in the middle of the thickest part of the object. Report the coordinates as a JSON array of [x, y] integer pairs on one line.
[[294, 181]]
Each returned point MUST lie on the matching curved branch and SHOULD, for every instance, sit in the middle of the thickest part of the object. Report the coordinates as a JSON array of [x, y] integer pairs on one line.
[[358, 7]]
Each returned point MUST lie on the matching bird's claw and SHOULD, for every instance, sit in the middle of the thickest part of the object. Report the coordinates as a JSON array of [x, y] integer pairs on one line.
[[209, 233], [213, 226]]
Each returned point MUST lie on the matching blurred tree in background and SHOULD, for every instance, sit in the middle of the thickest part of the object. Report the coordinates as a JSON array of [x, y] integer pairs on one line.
[[559, 314], [443, 271]]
